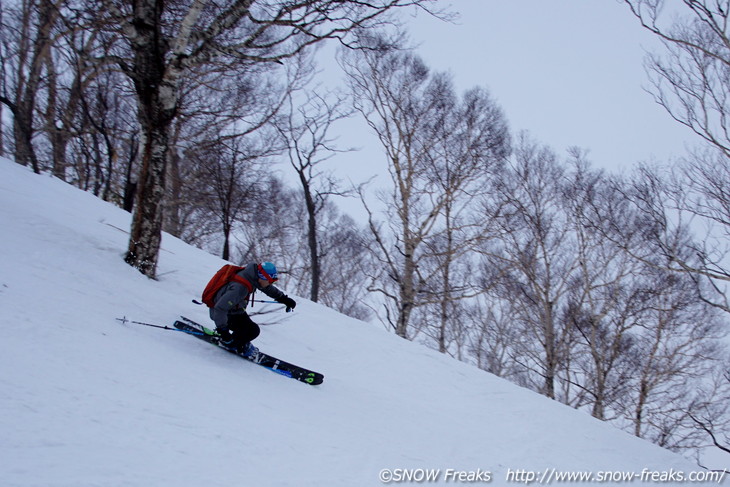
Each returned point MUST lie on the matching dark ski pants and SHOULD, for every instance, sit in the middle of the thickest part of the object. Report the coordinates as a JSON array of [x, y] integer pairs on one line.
[[243, 327]]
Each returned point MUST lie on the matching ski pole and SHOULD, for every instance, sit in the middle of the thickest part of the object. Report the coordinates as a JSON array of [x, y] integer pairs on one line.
[[124, 320], [254, 300]]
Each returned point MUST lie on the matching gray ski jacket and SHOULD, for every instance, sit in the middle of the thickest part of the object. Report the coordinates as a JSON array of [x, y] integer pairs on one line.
[[233, 297]]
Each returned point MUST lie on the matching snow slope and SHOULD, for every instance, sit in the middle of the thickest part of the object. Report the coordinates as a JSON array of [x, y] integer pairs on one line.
[[88, 401]]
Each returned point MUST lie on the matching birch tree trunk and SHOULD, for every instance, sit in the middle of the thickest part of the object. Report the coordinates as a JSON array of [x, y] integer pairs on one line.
[[156, 86]]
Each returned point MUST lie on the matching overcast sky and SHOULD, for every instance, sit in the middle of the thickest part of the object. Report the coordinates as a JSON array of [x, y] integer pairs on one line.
[[568, 71]]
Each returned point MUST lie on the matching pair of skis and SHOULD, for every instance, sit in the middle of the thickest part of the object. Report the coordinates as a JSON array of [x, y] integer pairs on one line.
[[272, 363]]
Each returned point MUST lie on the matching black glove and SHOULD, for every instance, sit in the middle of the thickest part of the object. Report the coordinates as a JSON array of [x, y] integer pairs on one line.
[[288, 302]]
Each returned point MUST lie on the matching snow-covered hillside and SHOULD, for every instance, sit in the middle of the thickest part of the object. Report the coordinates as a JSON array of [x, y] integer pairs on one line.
[[88, 401]]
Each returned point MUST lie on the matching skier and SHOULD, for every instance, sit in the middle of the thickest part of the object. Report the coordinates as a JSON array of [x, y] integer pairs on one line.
[[235, 326]]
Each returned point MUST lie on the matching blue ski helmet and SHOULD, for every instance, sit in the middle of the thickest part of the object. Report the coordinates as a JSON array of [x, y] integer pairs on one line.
[[267, 272]]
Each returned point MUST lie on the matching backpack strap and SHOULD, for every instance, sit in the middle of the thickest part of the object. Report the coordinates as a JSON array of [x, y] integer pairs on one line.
[[246, 284], [244, 281]]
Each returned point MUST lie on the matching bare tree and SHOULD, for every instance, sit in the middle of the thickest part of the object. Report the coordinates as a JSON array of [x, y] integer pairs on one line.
[[27, 39], [166, 41], [679, 227], [651, 341], [305, 131], [232, 172], [468, 151], [603, 298], [690, 80], [344, 258], [708, 414], [346, 262], [532, 259], [392, 92], [673, 352], [435, 149], [493, 335], [272, 227], [77, 105], [236, 111]]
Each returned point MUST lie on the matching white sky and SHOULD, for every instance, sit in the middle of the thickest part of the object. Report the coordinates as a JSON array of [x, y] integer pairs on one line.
[[568, 71]]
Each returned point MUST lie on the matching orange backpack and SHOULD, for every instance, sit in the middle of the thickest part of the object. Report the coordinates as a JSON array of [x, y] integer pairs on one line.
[[225, 274]]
